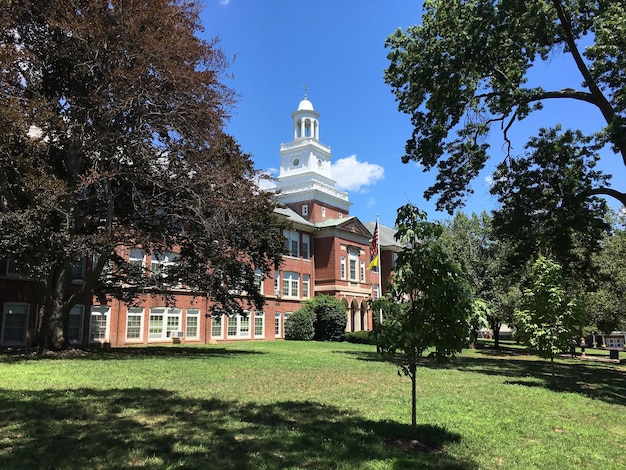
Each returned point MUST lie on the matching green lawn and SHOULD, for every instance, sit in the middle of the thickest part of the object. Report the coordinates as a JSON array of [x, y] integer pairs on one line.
[[306, 405]]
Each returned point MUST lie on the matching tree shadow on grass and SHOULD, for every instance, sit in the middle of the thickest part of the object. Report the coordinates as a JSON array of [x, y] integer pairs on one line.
[[596, 380], [120, 428], [101, 354]]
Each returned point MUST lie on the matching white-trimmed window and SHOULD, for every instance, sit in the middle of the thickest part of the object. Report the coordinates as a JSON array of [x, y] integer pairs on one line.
[[323, 212], [13, 268], [342, 267], [305, 209], [277, 291], [291, 284], [163, 321], [376, 291], [217, 324], [75, 326], [239, 325], [292, 243], [79, 269], [259, 323], [305, 246], [160, 262], [14, 323], [306, 286], [134, 324], [352, 256], [99, 324], [277, 325], [192, 323], [258, 280], [137, 258], [362, 270]]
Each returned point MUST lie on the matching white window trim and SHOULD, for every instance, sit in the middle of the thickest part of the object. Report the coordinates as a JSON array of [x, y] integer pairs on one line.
[[238, 320], [163, 260], [306, 241], [167, 313], [7, 307], [353, 259], [306, 286], [135, 312], [106, 312], [81, 266], [192, 313], [78, 310], [278, 325], [259, 314], [221, 322], [13, 271], [291, 237], [343, 268], [293, 279]]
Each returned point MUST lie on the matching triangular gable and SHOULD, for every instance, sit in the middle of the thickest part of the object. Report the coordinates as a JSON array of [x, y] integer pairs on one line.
[[351, 224]]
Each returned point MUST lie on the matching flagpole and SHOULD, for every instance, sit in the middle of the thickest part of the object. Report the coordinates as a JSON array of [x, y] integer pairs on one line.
[[380, 258]]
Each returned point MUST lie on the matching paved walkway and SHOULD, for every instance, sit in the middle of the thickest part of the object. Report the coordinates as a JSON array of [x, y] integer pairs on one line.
[[588, 357]]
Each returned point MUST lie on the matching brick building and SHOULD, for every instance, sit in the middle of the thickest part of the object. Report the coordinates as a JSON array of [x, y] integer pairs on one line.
[[328, 253]]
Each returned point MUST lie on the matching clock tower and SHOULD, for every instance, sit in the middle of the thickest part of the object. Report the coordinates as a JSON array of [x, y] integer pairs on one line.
[[305, 183]]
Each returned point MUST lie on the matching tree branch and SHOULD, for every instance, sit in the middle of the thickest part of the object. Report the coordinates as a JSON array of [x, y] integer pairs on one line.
[[621, 197], [598, 97]]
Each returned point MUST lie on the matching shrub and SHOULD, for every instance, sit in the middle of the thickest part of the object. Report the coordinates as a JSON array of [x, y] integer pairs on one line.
[[361, 337], [330, 318], [299, 326]]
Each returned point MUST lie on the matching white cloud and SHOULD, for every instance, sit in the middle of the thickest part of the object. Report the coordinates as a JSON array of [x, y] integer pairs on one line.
[[224, 3], [353, 175]]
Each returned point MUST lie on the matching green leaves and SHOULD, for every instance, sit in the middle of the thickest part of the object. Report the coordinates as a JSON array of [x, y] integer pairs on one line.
[[434, 300], [546, 202], [549, 320], [465, 69]]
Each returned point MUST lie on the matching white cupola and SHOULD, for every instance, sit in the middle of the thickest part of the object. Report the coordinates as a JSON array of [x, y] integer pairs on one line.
[[305, 163], [305, 121]]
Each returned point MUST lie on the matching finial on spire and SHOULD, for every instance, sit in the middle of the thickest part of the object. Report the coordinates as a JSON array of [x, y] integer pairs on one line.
[[305, 87]]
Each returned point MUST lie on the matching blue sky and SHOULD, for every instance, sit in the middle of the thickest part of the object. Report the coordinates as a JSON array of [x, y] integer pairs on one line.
[[337, 49]]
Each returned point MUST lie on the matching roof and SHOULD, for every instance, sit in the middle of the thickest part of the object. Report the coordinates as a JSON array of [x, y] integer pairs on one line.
[[386, 235], [334, 222], [292, 216], [305, 105]]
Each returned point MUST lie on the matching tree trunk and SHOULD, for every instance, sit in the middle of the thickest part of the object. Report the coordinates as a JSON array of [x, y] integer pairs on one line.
[[55, 317], [495, 325], [413, 370]]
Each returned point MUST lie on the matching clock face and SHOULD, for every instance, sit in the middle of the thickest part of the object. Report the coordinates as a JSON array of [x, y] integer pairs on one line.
[[296, 162]]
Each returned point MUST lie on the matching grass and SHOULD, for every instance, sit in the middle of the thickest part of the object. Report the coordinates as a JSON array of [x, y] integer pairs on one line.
[[313, 405]]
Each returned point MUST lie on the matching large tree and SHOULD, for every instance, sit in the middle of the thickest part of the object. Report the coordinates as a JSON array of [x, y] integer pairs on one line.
[[112, 115], [466, 69], [545, 204], [606, 306], [471, 243], [435, 301]]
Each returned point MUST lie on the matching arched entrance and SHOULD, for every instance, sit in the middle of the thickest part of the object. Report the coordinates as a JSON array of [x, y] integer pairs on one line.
[[364, 322], [355, 315], [348, 316]]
